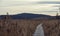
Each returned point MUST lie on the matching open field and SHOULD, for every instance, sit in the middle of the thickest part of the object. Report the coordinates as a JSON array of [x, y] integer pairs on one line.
[[23, 27]]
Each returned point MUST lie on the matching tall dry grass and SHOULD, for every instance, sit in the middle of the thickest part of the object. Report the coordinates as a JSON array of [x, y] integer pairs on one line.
[[20, 27]]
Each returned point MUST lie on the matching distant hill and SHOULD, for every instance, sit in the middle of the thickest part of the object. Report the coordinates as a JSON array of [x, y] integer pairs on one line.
[[28, 16]]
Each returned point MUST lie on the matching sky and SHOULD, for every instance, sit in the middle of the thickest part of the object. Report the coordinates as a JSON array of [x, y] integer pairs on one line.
[[48, 7]]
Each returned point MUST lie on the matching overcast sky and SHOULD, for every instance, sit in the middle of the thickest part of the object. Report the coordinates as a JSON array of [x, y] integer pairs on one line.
[[48, 7]]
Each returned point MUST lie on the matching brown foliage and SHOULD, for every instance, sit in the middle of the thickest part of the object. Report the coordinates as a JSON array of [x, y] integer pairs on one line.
[[20, 27]]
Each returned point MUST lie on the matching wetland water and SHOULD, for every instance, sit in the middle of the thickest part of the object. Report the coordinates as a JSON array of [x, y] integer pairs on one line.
[[39, 31]]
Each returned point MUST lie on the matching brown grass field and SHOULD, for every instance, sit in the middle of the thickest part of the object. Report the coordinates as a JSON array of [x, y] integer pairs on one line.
[[24, 27]]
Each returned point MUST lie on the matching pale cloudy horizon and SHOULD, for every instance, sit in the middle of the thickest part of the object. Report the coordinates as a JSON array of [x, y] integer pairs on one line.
[[48, 7]]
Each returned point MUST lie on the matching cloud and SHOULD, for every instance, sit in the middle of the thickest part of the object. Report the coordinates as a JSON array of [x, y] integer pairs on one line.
[[56, 6], [14, 3], [25, 6], [30, 2], [46, 11], [47, 2]]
